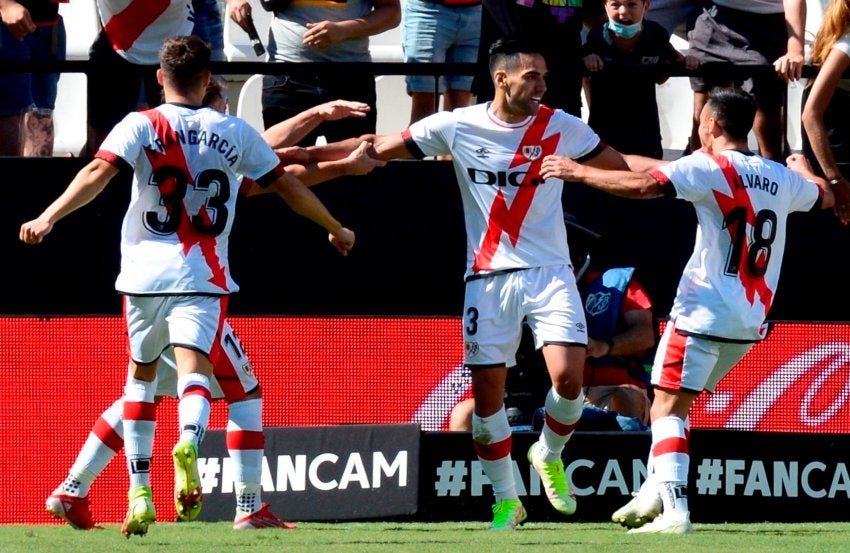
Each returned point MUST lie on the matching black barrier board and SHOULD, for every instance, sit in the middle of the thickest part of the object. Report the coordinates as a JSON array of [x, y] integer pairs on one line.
[[734, 476], [322, 473]]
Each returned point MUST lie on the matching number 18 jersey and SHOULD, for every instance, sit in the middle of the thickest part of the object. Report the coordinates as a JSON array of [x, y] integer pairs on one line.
[[188, 164], [742, 202]]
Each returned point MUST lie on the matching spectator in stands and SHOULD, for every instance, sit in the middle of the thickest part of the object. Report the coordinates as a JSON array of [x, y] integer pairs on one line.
[[439, 31], [727, 286], [124, 59], [209, 26], [749, 32], [321, 31], [628, 53], [827, 103], [31, 30], [552, 27], [677, 16]]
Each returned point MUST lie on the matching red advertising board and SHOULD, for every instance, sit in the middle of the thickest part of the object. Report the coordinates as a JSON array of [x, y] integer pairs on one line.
[[61, 373]]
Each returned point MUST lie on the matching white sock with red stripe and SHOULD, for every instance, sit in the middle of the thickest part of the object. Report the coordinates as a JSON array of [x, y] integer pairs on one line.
[[560, 422], [245, 443], [492, 440], [670, 462], [139, 416], [193, 410], [105, 439]]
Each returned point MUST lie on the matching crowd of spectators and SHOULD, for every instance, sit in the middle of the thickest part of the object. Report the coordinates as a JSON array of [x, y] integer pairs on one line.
[[609, 42]]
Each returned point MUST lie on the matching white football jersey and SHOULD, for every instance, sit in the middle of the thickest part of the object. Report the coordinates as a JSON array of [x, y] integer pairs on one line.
[[513, 218], [137, 28], [742, 202], [188, 163]]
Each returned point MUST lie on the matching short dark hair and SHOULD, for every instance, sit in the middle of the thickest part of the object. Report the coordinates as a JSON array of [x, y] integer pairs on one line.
[[184, 60], [733, 109], [215, 91], [504, 53]]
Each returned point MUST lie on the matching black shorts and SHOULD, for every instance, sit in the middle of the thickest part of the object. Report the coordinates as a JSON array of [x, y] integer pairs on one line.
[[742, 38], [285, 96], [114, 85]]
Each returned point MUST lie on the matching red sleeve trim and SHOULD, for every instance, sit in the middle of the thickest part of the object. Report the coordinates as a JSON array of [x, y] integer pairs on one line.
[[113, 159]]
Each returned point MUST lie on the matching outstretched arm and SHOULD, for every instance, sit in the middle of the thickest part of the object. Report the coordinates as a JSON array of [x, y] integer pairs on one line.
[[87, 184], [620, 183], [292, 130], [386, 147], [306, 204], [358, 162]]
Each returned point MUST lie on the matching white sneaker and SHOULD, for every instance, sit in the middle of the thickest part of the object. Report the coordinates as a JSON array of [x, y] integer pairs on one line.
[[662, 525], [643, 507]]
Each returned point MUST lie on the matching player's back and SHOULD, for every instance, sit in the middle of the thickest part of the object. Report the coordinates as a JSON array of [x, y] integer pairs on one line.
[[188, 165], [742, 203]]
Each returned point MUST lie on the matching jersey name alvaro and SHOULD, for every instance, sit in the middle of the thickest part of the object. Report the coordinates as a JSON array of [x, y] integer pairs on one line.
[[137, 28], [513, 218], [742, 202], [188, 163]]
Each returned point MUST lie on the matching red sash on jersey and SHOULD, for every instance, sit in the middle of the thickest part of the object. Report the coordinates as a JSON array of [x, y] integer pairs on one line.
[[740, 198], [509, 219], [186, 233]]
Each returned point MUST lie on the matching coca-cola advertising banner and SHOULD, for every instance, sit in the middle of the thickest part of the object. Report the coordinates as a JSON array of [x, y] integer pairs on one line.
[[63, 372], [797, 380]]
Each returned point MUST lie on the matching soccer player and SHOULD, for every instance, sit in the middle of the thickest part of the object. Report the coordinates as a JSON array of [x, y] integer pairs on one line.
[[742, 202], [518, 258], [187, 162], [69, 501], [236, 383]]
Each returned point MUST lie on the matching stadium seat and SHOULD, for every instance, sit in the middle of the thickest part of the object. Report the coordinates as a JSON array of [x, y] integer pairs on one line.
[[69, 117], [249, 106]]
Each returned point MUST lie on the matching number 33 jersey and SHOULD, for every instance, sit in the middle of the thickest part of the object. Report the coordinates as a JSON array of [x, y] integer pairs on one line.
[[742, 202], [188, 165]]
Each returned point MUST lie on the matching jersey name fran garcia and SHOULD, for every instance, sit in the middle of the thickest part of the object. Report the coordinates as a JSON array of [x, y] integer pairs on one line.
[[188, 164], [742, 202], [513, 218]]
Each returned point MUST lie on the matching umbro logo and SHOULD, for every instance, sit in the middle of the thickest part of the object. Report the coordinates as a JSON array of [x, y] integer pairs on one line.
[[482, 153]]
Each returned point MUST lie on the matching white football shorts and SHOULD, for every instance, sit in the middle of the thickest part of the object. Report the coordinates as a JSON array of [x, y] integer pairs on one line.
[[233, 372], [692, 363], [495, 306], [156, 322]]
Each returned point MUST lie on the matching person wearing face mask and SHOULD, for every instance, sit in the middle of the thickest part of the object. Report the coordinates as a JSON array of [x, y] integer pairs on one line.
[[627, 55]]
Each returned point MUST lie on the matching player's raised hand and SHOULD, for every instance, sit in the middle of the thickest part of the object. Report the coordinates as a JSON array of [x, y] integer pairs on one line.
[[33, 232], [340, 109], [343, 240]]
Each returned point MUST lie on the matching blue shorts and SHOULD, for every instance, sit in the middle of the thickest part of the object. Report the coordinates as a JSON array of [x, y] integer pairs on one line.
[[22, 92], [434, 33]]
